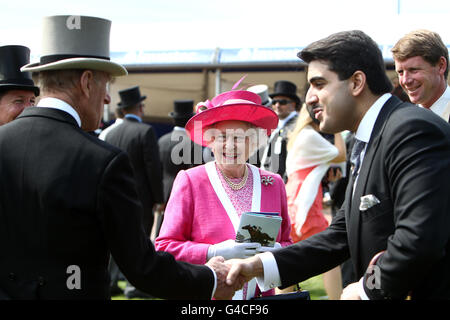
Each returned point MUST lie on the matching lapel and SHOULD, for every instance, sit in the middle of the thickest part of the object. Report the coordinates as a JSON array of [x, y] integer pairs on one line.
[[352, 207], [274, 134], [279, 132]]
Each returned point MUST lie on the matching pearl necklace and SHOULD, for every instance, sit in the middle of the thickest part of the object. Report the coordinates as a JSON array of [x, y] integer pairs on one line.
[[236, 186]]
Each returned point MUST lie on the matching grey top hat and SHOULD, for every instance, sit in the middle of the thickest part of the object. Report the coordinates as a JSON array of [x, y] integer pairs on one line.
[[130, 97], [76, 42], [11, 59], [182, 109], [263, 91]]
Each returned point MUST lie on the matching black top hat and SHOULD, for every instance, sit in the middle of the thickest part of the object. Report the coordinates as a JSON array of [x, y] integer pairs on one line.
[[130, 97], [285, 88], [12, 58], [182, 109]]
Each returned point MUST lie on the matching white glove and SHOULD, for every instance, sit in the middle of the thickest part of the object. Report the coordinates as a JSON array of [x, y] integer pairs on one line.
[[230, 249], [276, 246]]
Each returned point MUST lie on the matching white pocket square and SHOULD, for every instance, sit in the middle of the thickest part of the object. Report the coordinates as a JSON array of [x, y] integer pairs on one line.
[[368, 202]]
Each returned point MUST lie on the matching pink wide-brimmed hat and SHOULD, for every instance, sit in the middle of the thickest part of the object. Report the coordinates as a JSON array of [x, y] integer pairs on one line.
[[238, 105]]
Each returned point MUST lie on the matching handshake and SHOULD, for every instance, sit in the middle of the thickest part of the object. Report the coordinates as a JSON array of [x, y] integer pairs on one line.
[[234, 265]]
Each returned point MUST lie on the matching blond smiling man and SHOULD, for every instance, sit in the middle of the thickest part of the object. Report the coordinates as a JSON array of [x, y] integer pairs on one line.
[[421, 62]]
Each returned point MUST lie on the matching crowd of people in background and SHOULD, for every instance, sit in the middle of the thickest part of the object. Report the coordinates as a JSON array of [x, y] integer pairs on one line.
[[162, 212]]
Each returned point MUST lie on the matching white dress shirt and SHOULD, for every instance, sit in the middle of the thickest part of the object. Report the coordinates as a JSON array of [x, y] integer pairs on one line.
[[271, 278], [367, 123], [55, 103], [442, 105], [282, 123]]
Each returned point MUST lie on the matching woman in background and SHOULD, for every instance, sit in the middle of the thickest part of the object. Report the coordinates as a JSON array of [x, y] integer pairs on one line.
[[308, 161]]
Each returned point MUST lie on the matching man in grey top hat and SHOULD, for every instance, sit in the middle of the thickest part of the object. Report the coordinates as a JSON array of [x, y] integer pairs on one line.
[[17, 89], [71, 197]]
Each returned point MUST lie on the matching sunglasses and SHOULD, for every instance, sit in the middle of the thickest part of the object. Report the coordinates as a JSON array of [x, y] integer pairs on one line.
[[281, 102]]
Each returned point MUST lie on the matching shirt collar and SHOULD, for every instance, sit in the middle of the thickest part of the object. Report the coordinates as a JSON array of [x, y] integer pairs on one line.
[[55, 103], [367, 123], [130, 115], [440, 104], [282, 123]]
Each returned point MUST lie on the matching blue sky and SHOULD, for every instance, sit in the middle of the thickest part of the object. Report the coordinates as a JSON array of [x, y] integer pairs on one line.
[[200, 24]]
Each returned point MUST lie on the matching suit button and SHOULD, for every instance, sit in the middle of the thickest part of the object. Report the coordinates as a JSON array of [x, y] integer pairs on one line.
[[12, 276], [41, 281]]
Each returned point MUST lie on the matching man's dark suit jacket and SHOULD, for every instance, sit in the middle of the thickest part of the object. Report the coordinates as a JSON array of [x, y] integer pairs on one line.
[[276, 161], [407, 167], [139, 141], [69, 199], [185, 155]]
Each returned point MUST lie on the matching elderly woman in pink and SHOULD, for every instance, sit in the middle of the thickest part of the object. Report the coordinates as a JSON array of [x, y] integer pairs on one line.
[[206, 203]]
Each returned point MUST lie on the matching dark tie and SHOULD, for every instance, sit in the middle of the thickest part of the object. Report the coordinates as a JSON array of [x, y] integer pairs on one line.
[[355, 157]]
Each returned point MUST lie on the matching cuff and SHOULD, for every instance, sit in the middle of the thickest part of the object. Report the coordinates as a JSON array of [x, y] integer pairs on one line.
[[271, 278], [362, 292]]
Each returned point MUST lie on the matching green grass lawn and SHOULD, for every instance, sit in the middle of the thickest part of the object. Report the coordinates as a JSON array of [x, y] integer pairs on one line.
[[314, 285]]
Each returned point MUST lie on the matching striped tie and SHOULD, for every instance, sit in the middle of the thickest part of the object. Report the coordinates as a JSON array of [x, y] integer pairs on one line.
[[355, 157]]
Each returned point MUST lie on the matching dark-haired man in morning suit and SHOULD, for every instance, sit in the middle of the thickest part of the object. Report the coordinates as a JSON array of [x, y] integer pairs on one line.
[[395, 221], [68, 199], [177, 151]]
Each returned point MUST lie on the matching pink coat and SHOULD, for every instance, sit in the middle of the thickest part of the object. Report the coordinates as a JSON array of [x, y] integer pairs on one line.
[[195, 218]]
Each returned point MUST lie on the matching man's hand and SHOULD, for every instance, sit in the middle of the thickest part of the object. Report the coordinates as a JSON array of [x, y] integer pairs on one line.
[[244, 270], [351, 292], [223, 290]]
